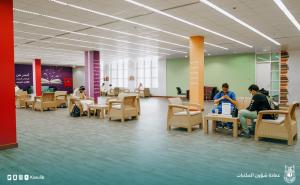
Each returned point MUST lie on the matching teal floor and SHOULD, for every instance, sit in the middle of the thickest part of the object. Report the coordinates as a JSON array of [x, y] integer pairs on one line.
[[87, 151]]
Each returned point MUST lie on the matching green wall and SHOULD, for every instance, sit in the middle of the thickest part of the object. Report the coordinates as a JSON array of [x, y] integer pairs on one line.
[[177, 75], [237, 70]]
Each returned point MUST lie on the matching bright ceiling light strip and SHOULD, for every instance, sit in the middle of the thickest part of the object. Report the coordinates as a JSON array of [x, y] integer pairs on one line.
[[210, 44], [95, 36], [128, 21], [101, 28], [81, 46], [283, 8], [117, 18], [186, 22], [50, 48], [79, 40], [238, 21]]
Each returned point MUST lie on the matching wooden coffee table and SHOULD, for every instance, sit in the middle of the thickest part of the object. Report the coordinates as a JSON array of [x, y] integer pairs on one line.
[[101, 108], [222, 118]]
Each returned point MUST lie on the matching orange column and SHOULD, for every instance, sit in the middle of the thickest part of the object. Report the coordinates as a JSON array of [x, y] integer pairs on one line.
[[197, 70]]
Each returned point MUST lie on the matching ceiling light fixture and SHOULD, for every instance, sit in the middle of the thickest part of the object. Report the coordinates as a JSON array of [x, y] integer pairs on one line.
[[79, 40], [186, 22], [287, 13], [98, 27], [128, 21], [238, 21], [95, 36], [81, 46]]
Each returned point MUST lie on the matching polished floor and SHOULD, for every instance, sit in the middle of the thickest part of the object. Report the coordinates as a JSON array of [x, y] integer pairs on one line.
[[84, 150]]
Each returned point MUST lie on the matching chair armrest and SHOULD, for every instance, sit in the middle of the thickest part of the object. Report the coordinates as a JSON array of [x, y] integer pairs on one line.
[[264, 112], [114, 101], [198, 106], [178, 106], [61, 95]]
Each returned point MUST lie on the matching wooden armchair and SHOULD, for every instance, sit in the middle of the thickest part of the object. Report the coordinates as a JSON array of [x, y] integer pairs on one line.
[[123, 108], [243, 102], [116, 91], [284, 127], [21, 97], [184, 115], [61, 98], [147, 92], [46, 101]]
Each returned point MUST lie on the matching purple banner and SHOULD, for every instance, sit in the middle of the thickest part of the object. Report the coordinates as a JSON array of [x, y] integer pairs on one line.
[[56, 77]]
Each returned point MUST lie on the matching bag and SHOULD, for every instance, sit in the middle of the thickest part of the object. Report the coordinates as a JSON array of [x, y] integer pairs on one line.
[[263, 91], [235, 112], [273, 106], [75, 111]]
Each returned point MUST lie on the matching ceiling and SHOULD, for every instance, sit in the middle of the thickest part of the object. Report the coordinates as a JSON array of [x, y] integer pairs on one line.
[[62, 42]]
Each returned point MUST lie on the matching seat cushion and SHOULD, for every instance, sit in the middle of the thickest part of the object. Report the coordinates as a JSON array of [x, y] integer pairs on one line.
[[116, 107], [279, 120], [184, 113]]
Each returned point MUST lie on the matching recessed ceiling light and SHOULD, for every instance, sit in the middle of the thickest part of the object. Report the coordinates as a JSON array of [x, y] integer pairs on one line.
[[208, 54], [287, 13], [238, 20], [101, 28], [128, 21], [96, 36], [186, 22], [185, 56]]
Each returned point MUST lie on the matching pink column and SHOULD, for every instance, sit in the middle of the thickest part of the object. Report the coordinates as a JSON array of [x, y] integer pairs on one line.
[[92, 74], [36, 72], [8, 134]]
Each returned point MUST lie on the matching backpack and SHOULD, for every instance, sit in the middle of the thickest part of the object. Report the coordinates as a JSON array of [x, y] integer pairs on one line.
[[274, 106], [75, 111]]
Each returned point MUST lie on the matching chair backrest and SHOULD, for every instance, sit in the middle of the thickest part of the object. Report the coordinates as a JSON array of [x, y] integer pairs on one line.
[[178, 90], [129, 101], [121, 96], [243, 102], [116, 91], [292, 110], [22, 94], [60, 93], [175, 101], [48, 96]]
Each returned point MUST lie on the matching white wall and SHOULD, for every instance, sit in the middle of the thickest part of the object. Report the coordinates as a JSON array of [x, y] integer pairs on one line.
[[162, 79], [294, 76], [78, 77]]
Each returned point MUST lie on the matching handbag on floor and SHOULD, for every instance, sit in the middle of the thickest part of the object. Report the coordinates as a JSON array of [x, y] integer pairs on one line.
[[75, 111]]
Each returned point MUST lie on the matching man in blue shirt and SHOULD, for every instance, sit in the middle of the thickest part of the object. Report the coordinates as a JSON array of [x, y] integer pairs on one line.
[[225, 96]]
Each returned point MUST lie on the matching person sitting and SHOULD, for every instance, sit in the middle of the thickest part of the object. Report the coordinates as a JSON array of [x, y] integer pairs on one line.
[[81, 96], [80, 93], [224, 96], [104, 90], [258, 102]]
